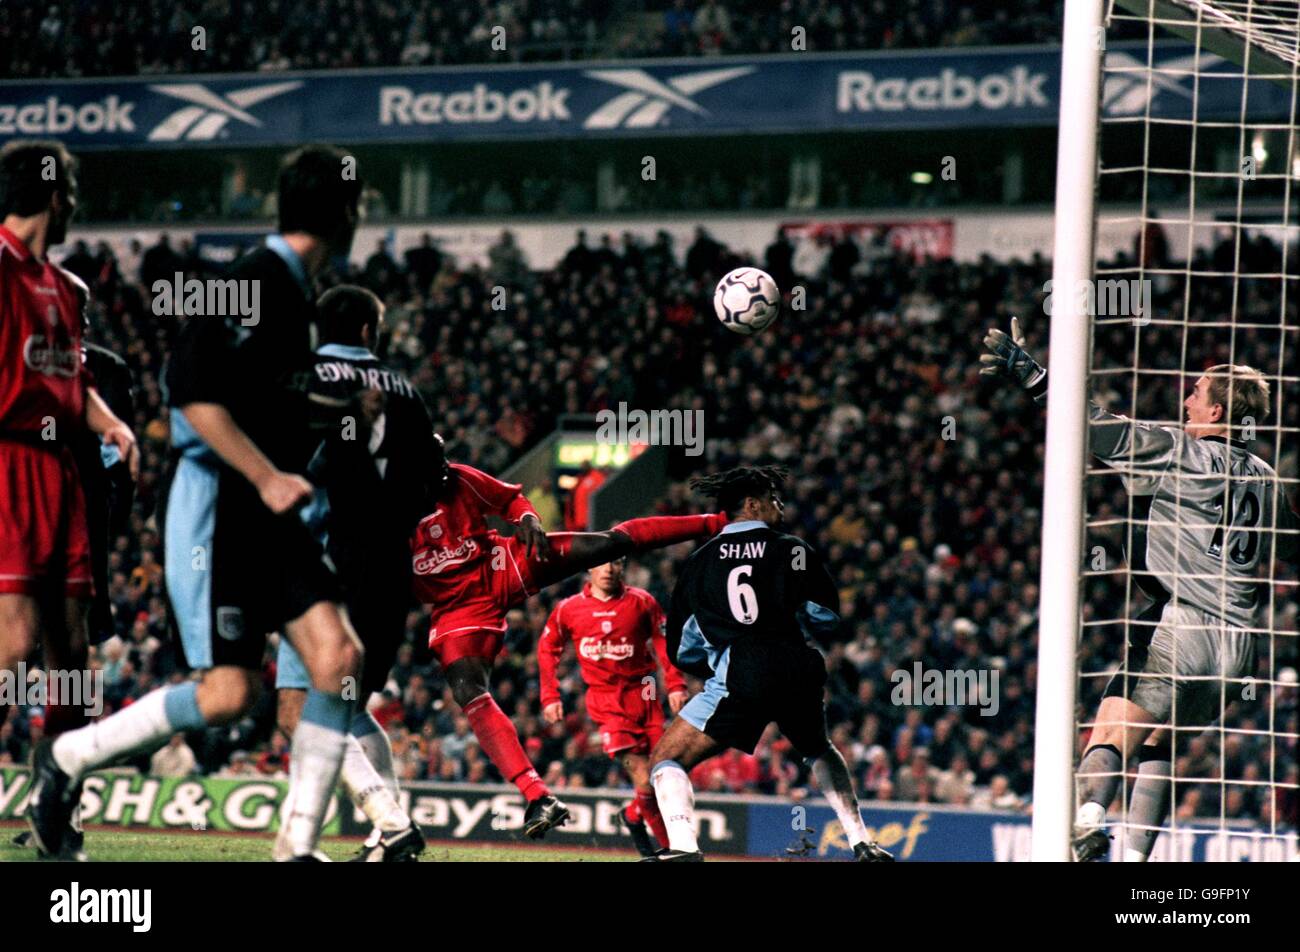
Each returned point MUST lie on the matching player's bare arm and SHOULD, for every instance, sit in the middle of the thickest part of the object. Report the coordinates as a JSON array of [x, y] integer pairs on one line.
[[114, 432], [280, 491], [677, 697], [550, 645]]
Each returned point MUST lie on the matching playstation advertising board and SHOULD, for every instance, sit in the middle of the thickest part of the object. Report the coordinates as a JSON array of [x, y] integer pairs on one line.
[[1001, 87], [754, 826]]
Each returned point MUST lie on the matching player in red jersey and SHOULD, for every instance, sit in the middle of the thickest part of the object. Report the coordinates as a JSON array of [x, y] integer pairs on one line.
[[46, 399], [619, 632], [470, 576]]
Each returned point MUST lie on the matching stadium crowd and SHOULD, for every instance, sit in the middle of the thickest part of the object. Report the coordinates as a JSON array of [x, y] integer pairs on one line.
[[87, 38], [920, 482]]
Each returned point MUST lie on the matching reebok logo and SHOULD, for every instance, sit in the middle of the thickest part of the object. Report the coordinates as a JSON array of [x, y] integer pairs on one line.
[[646, 99], [1130, 86], [208, 112], [403, 106], [861, 91], [55, 117]]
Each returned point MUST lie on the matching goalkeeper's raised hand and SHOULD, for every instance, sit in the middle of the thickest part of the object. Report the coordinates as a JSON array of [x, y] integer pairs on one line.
[[1008, 358]]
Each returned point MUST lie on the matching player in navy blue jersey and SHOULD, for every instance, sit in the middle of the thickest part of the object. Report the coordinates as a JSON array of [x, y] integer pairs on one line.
[[744, 616], [240, 562], [376, 471]]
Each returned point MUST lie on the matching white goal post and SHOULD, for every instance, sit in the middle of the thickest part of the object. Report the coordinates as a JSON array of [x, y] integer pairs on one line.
[[1067, 435]]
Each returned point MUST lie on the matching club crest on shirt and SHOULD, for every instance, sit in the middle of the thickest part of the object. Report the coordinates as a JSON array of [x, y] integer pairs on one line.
[[431, 529]]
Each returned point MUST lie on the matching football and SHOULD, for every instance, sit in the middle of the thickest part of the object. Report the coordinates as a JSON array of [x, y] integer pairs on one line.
[[746, 300]]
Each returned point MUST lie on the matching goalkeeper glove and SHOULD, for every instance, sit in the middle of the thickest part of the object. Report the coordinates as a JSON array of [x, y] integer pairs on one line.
[[1008, 358]]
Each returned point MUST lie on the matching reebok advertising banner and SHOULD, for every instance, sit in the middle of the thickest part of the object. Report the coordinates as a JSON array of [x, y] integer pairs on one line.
[[797, 92]]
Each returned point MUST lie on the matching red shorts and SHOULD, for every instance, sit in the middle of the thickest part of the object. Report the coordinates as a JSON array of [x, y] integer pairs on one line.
[[474, 624], [44, 544], [628, 721]]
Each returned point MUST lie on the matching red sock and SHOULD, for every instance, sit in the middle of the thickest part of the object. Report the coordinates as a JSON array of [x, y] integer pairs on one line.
[[497, 736], [649, 807], [632, 811], [653, 532]]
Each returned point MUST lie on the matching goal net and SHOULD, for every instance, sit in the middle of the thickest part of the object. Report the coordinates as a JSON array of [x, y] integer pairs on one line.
[[1197, 267]]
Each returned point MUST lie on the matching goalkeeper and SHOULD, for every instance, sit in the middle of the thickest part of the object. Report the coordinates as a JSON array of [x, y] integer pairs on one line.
[[1206, 515]]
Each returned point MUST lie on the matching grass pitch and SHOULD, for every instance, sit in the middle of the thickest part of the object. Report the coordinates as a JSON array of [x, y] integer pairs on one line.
[[117, 846]]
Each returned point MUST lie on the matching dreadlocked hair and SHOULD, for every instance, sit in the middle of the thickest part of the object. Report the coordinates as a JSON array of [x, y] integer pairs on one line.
[[733, 486]]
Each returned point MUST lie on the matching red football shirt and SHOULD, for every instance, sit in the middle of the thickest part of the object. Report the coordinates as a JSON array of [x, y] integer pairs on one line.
[[41, 374], [617, 641], [451, 541]]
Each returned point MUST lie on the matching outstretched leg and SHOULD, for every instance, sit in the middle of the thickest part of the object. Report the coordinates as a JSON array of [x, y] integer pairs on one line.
[[574, 552]]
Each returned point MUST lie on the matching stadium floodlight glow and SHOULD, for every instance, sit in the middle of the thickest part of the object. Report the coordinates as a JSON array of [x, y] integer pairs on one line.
[[1062, 546], [922, 178]]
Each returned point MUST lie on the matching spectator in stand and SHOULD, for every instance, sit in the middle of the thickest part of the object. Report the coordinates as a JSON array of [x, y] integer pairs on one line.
[[998, 795], [579, 258], [578, 511], [159, 263], [779, 261], [703, 255], [506, 263], [381, 274], [423, 262], [173, 760]]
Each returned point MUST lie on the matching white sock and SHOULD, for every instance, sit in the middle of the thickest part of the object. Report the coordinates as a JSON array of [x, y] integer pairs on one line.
[[379, 751], [845, 804], [1090, 816], [369, 790], [314, 763], [142, 724], [677, 805], [1134, 856]]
